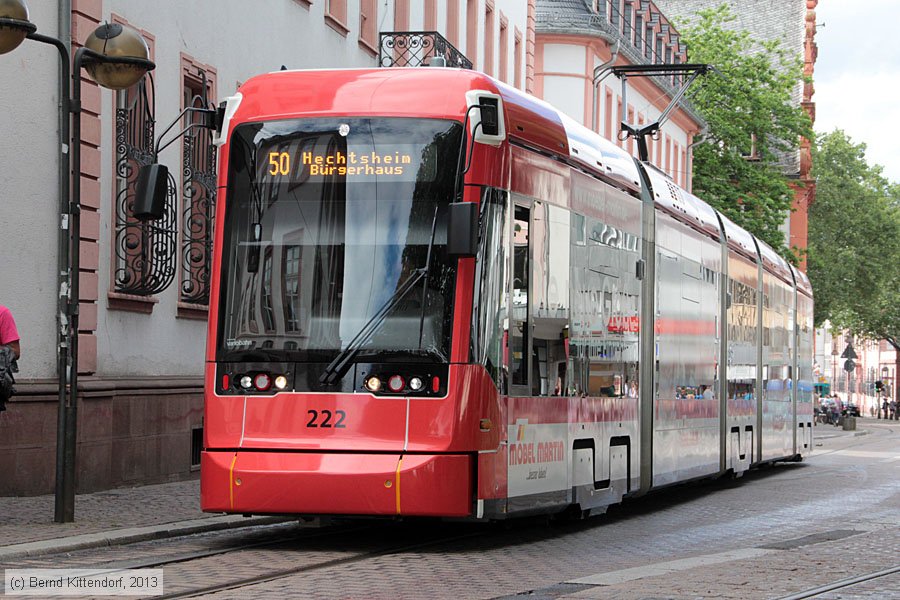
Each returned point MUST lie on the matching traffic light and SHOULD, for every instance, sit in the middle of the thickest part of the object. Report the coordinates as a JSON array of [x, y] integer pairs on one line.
[[879, 386]]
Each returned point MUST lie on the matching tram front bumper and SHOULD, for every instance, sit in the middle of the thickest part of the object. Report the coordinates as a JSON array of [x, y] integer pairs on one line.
[[328, 483]]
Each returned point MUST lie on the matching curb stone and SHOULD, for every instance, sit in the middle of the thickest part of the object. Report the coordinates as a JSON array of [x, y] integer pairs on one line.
[[132, 535]]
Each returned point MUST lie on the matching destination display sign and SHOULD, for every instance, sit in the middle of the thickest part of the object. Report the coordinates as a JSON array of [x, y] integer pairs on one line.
[[316, 163]]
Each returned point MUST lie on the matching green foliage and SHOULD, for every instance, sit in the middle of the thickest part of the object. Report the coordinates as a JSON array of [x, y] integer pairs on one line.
[[749, 99], [854, 241]]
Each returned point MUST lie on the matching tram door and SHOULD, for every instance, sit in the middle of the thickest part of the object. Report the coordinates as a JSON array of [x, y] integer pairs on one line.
[[519, 331]]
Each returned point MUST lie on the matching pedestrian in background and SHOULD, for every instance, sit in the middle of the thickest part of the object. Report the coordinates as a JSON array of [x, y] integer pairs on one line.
[[9, 335], [836, 409], [9, 353]]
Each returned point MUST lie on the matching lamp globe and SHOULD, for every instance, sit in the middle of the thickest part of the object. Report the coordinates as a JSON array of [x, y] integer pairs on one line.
[[114, 41], [14, 24]]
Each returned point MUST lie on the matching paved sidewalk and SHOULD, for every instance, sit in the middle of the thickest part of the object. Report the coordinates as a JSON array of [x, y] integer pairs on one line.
[[106, 518], [824, 432]]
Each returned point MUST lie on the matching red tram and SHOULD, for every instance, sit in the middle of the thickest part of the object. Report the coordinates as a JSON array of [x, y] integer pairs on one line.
[[438, 296]]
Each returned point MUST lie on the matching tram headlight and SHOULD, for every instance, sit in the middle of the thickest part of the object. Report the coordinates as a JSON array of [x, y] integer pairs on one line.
[[262, 382], [246, 382], [416, 384], [281, 382], [373, 384], [396, 383]]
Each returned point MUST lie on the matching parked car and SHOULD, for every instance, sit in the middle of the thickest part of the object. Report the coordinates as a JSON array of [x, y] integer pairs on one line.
[[850, 410]]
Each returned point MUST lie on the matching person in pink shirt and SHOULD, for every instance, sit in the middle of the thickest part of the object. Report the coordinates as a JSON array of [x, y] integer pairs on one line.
[[9, 335]]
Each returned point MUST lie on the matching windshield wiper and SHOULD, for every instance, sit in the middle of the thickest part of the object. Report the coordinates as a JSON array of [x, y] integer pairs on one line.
[[427, 271], [341, 363]]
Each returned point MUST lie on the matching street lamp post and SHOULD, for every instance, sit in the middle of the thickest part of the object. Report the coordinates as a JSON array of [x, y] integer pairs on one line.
[[116, 57]]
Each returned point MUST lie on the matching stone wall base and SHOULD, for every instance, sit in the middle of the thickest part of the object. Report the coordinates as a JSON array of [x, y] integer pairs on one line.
[[130, 432]]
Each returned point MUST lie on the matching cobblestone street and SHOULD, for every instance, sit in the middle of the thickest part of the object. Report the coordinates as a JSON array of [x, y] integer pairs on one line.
[[777, 531]]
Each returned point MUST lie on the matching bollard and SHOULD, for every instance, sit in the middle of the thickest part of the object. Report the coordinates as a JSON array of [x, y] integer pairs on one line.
[[849, 423]]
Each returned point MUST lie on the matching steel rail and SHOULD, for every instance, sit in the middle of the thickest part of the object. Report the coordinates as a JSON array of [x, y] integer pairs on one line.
[[842, 583], [198, 554], [283, 573]]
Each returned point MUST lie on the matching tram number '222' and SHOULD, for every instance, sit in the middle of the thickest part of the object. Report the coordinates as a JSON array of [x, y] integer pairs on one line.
[[325, 420]]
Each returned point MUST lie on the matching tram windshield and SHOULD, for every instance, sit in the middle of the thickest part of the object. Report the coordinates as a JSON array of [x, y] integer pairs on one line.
[[326, 219]]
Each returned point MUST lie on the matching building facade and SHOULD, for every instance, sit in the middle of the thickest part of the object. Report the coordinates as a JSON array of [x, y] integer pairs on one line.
[[874, 376], [144, 288], [576, 39]]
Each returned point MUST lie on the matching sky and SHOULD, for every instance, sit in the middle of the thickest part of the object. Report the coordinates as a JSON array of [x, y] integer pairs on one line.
[[857, 76]]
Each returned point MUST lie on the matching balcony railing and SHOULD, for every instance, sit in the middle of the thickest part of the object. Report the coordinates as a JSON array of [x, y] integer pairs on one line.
[[417, 48]]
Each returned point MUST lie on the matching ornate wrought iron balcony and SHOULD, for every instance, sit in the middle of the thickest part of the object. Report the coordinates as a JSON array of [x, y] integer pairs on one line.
[[417, 48]]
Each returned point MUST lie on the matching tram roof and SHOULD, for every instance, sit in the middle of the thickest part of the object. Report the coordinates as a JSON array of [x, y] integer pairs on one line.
[[431, 92], [739, 239], [803, 284], [681, 204], [773, 263]]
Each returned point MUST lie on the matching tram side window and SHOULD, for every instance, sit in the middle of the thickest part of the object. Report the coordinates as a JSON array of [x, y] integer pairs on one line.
[[490, 291], [518, 328], [550, 236]]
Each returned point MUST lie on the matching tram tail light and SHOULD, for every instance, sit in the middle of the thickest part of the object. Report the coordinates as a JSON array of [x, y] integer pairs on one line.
[[402, 383], [255, 381], [262, 382], [396, 383], [373, 384]]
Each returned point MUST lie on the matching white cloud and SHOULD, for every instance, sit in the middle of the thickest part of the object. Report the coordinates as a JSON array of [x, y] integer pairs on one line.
[[864, 105], [857, 76]]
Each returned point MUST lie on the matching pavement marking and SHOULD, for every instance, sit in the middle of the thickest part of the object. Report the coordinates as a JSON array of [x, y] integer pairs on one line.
[[672, 566], [809, 540], [868, 454]]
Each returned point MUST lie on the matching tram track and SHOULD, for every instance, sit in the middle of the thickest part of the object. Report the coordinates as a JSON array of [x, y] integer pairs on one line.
[[327, 564], [841, 584], [290, 536]]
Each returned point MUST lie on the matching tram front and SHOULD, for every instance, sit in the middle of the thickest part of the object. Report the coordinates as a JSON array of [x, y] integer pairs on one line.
[[335, 312]]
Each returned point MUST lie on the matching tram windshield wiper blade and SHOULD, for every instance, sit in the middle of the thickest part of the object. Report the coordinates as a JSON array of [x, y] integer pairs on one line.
[[338, 367]]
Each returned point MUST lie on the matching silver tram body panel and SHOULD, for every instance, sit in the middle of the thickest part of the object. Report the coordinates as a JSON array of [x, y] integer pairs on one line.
[[732, 344], [803, 389], [686, 411], [741, 356], [677, 344], [777, 356]]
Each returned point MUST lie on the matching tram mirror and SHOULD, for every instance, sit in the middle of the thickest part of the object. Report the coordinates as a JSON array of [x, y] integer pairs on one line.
[[152, 189], [219, 119], [490, 116], [253, 250], [462, 230]]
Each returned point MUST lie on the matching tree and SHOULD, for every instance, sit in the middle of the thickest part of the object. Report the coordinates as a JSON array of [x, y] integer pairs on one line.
[[854, 241], [751, 118]]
